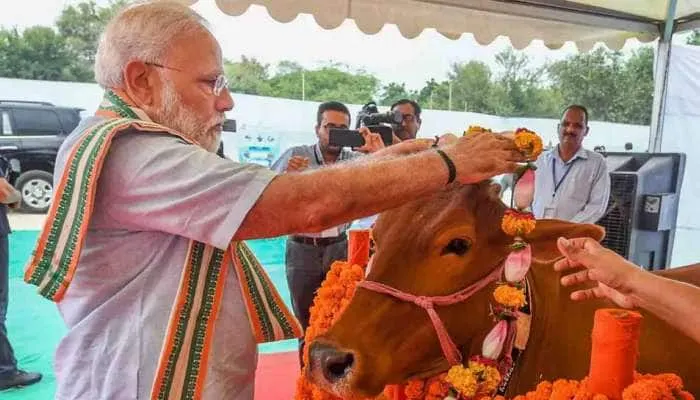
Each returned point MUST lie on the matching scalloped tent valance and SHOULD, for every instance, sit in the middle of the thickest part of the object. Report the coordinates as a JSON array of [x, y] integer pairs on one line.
[[555, 22]]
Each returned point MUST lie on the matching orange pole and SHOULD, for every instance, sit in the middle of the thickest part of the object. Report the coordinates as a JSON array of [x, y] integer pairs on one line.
[[358, 247], [614, 352]]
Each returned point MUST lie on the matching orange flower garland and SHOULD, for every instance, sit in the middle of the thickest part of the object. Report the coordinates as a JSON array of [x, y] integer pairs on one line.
[[645, 387], [330, 301], [510, 296], [515, 223], [529, 143], [476, 129]]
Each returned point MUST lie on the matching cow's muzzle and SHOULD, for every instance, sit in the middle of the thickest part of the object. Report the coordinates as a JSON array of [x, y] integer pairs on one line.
[[329, 365]]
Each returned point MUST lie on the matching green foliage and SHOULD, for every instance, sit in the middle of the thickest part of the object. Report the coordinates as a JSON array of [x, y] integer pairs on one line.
[[614, 88]]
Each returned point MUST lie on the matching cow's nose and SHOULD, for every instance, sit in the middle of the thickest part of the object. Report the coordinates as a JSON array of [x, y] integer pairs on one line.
[[335, 364]]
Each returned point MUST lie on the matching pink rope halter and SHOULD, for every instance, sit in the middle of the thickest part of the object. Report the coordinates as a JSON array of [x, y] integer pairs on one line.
[[428, 303]]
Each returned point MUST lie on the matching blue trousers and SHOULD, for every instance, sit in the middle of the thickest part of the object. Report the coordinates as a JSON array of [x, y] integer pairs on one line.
[[8, 364], [307, 266]]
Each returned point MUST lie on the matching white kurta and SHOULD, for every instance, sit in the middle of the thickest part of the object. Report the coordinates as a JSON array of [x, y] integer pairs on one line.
[[154, 195]]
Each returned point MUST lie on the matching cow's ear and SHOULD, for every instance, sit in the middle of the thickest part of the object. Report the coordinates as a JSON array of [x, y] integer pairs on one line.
[[543, 240], [494, 190]]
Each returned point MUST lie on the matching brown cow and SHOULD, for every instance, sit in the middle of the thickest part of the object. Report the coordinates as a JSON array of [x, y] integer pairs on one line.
[[446, 242]]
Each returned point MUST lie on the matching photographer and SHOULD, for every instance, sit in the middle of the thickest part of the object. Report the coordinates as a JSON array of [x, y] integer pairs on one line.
[[310, 255], [410, 124]]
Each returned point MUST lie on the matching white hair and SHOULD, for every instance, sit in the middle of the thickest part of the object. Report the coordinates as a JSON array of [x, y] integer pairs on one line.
[[142, 32]]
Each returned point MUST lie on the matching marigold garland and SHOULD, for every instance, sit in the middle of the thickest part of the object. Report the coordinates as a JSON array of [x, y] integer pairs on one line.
[[645, 387], [476, 129], [330, 301], [529, 143], [517, 224], [509, 296]]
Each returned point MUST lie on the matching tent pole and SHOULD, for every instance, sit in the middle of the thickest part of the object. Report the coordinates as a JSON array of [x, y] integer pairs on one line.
[[663, 58]]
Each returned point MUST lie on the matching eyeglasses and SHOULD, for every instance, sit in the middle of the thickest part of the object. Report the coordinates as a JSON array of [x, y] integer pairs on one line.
[[217, 85]]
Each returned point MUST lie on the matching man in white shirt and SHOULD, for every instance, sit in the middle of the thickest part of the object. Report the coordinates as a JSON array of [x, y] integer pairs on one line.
[[571, 183]]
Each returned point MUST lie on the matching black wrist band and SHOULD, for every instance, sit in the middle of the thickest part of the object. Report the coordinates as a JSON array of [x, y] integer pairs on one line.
[[450, 166]]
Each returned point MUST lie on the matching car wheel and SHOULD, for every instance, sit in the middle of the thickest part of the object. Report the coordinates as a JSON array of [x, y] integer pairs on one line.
[[36, 188]]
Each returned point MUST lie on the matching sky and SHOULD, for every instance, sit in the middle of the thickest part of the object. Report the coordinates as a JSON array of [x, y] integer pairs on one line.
[[387, 54]]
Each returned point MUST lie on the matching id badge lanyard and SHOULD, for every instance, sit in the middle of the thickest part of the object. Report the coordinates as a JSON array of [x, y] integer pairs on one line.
[[561, 180]]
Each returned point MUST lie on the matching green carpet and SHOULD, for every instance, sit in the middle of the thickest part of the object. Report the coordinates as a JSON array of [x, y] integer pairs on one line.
[[35, 327]]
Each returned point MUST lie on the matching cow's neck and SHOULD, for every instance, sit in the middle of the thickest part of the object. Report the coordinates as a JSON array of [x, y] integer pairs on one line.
[[548, 337]]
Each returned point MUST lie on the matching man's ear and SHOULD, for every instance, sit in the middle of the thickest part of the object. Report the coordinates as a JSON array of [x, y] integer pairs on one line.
[[543, 240]]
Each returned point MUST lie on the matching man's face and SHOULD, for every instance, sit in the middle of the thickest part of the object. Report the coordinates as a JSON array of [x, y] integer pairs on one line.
[[184, 100], [572, 129], [331, 119], [410, 125]]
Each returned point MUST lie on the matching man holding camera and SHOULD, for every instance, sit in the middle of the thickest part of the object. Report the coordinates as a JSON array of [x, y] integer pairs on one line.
[[310, 255], [410, 111]]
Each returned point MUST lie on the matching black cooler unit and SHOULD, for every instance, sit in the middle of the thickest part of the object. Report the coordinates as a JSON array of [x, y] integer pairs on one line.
[[640, 221]]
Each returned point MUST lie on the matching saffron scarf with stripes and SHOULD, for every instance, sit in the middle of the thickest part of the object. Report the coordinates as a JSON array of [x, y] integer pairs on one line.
[[183, 360]]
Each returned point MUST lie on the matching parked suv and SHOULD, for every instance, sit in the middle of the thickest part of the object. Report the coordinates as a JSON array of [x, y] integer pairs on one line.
[[30, 135]]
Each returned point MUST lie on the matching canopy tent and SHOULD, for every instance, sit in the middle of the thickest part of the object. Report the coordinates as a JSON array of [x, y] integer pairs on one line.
[[555, 22]]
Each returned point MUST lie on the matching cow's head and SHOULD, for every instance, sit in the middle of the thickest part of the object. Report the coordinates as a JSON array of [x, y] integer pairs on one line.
[[434, 246]]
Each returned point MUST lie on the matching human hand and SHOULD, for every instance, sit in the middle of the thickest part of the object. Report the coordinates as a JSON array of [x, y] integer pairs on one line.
[[479, 156], [297, 164], [447, 139], [373, 141], [8, 194], [613, 274]]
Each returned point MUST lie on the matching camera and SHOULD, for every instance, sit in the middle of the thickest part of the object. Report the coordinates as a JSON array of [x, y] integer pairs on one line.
[[369, 116]]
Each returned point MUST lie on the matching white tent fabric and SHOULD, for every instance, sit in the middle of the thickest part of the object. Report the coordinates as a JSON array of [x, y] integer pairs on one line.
[[682, 116], [555, 22]]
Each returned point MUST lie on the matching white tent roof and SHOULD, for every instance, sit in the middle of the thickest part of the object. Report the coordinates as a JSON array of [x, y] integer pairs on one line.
[[585, 22]]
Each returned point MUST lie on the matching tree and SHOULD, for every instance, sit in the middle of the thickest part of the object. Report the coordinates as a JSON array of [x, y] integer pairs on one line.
[[613, 89], [637, 96], [521, 86], [694, 38], [394, 92], [471, 86], [37, 53], [593, 79], [81, 25], [248, 76], [332, 83]]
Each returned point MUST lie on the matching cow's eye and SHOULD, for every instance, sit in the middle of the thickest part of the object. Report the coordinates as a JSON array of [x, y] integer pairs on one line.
[[457, 246]]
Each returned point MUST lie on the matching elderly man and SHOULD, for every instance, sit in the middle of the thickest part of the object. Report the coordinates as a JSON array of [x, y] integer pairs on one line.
[[142, 247]]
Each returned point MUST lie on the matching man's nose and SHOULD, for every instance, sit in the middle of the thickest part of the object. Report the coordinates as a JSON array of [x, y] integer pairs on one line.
[[224, 102]]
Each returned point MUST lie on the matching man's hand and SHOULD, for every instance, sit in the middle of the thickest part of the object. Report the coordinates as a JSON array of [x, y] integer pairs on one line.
[[297, 164], [8, 194], [480, 156], [373, 141], [613, 274]]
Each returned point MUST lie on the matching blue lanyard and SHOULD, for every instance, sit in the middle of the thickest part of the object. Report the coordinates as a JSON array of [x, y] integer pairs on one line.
[[554, 182]]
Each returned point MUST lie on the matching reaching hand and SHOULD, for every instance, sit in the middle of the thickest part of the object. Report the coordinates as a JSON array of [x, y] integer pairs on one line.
[[373, 141], [297, 164], [612, 273], [480, 156]]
